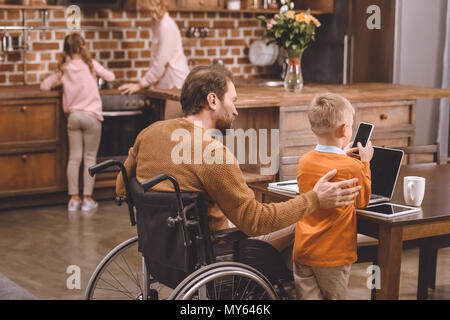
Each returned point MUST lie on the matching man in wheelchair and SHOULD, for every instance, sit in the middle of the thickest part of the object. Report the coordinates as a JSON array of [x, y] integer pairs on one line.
[[207, 98]]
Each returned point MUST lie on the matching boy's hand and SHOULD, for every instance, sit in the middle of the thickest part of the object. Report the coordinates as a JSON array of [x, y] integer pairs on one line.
[[335, 194], [351, 151], [365, 153]]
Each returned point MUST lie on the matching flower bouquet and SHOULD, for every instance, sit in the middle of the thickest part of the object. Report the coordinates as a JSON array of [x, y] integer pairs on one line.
[[292, 32]]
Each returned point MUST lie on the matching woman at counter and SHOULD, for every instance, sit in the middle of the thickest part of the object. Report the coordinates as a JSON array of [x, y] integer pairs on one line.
[[169, 65]]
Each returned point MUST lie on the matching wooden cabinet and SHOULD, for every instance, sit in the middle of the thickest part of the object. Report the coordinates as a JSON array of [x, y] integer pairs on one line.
[[32, 147], [324, 6], [393, 120]]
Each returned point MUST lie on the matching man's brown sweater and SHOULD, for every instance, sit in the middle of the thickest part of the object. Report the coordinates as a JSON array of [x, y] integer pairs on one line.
[[159, 149]]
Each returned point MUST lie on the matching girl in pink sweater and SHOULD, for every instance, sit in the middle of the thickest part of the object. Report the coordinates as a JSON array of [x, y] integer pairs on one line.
[[77, 72]]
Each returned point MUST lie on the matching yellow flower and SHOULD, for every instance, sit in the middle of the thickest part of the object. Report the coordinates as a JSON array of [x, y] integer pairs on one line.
[[290, 14], [308, 18], [300, 17]]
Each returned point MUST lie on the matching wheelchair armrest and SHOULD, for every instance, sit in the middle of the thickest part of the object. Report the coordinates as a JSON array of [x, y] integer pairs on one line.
[[232, 234]]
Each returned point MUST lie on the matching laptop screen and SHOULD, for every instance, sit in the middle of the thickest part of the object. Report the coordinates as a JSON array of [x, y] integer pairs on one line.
[[385, 166]]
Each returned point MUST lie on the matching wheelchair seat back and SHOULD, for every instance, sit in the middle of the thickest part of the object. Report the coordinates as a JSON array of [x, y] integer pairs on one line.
[[169, 259]]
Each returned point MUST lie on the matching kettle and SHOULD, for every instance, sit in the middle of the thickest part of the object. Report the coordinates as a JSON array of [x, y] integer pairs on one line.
[[100, 82]]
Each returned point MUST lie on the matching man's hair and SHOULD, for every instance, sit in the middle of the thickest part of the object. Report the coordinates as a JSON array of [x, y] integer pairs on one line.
[[201, 81], [328, 111]]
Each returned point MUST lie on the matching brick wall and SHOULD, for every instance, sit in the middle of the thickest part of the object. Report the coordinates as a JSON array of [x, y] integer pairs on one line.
[[127, 51]]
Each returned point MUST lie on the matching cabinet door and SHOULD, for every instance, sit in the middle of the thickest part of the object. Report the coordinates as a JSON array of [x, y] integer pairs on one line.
[[28, 171], [25, 123], [371, 51]]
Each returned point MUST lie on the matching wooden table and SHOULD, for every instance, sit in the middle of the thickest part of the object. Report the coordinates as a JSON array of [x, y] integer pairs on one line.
[[432, 222]]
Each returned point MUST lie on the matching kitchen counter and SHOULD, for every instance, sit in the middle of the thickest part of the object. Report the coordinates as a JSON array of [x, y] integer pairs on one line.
[[33, 91], [24, 92], [251, 96]]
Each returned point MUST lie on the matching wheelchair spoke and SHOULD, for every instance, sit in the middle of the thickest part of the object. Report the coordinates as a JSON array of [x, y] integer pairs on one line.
[[239, 283], [218, 298], [124, 292], [232, 289], [131, 272], [125, 272], [245, 290], [120, 283]]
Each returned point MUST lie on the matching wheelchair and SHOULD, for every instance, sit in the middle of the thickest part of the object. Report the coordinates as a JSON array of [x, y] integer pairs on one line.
[[174, 255]]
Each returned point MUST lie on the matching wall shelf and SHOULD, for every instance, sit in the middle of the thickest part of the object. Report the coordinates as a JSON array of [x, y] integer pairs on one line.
[[19, 7], [220, 10]]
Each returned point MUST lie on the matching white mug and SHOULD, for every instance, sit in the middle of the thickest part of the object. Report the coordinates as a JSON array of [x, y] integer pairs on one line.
[[413, 190]]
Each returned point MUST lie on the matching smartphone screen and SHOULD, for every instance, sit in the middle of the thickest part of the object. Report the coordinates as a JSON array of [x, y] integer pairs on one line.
[[363, 134]]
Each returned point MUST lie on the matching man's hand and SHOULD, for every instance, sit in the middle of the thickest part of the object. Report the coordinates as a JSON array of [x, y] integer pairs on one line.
[[335, 194], [365, 153], [130, 88]]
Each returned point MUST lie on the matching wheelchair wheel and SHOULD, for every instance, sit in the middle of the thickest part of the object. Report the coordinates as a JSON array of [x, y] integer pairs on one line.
[[121, 275], [225, 281]]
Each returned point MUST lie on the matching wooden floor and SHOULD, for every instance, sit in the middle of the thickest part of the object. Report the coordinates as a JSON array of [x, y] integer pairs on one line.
[[38, 245]]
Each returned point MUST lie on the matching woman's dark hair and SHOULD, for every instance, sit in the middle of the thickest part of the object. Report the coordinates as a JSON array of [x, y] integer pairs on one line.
[[200, 82]]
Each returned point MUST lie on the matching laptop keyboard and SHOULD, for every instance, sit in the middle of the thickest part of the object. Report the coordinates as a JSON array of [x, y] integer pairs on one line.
[[375, 196]]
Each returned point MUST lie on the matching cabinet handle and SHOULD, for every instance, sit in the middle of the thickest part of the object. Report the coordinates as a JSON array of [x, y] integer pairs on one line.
[[383, 116], [23, 108], [24, 157]]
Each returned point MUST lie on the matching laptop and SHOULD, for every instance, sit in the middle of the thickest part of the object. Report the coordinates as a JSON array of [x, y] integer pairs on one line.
[[385, 167]]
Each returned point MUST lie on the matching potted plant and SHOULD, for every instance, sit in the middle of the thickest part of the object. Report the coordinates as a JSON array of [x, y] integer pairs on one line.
[[292, 32]]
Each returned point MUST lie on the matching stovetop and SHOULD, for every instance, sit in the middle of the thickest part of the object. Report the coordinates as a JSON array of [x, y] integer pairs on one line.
[[125, 102]]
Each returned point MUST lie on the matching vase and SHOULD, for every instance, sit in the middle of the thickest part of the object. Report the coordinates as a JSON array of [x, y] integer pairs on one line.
[[293, 80]]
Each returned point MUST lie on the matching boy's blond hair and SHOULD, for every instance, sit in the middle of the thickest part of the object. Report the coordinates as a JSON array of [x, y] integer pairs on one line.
[[328, 111]]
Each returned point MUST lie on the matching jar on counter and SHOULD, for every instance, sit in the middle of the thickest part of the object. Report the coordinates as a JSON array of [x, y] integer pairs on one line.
[[272, 4]]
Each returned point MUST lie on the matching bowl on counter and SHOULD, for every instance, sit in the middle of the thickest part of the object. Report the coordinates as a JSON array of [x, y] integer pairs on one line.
[[259, 82]]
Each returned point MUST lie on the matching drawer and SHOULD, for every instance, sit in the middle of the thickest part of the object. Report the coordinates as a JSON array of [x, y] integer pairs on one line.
[[199, 3], [383, 116], [294, 119], [28, 123], [288, 172], [296, 150], [28, 171]]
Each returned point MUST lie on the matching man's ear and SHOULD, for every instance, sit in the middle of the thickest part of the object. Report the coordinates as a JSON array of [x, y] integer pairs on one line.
[[212, 100]]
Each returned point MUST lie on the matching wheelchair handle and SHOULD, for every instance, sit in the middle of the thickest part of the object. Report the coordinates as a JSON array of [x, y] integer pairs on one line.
[[102, 166], [109, 163]]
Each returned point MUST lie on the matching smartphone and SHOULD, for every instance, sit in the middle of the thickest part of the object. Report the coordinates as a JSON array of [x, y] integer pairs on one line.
[[363, 134]]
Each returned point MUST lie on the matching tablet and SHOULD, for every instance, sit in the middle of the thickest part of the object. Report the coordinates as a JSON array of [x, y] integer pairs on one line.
[[388, 210]]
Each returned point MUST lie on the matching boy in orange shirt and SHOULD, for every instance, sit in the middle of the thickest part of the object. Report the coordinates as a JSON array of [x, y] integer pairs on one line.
[[325, 240]]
